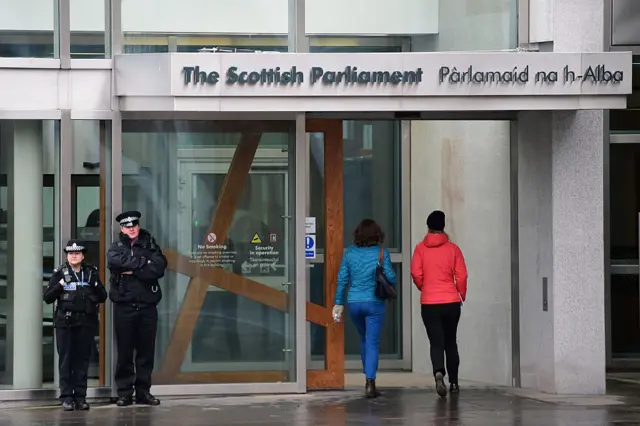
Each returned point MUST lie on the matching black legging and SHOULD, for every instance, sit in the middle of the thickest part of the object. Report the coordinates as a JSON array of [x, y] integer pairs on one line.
[[441, 322]]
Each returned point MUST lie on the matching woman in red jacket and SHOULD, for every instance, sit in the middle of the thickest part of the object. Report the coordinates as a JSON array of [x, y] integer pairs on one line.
[[439, 271]]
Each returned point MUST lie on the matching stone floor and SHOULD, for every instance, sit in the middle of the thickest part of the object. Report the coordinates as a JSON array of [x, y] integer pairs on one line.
[[406, 406]]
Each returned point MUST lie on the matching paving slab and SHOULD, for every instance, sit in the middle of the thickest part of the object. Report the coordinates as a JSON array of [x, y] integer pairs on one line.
[[472, 407]]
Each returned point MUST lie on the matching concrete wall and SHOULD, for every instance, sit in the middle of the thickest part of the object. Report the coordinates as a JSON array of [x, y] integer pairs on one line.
[[535, 254], [561, 218], [463, 168]]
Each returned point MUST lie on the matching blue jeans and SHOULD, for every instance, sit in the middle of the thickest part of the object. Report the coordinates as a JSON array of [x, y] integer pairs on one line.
[[368, 318]]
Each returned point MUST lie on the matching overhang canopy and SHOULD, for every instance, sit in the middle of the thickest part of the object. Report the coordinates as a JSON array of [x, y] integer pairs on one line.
[[323, 82]]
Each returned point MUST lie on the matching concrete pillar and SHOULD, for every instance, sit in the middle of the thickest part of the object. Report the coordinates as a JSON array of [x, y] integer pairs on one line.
[[578, 251], [561, 234], [578, 217], [25, 239]]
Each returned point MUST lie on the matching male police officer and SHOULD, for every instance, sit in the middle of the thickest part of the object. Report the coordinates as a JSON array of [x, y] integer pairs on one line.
[[77, 289], [136, 263]]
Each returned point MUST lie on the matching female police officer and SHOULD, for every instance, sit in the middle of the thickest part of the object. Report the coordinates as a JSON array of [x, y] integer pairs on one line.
[[77, 291]]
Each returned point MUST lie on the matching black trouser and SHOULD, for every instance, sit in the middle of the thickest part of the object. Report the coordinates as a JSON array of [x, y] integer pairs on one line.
[[135, 328], [441, 322], [74, 346]]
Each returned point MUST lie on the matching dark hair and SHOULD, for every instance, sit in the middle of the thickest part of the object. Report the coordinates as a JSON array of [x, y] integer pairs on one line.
[[368, 233]]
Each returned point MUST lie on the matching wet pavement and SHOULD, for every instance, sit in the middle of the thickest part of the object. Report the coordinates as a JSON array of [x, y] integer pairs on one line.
[[396, 407]]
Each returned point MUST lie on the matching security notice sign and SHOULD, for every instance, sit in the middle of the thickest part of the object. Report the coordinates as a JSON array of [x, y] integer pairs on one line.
[[310, 246], [310, 225]]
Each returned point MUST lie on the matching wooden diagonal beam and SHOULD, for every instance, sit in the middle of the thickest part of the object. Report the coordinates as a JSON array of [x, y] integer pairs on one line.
[[225, 280], [220, 223], [242, 286]]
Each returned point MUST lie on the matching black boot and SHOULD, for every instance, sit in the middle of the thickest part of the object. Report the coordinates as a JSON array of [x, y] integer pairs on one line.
[[82, 404], [68, 405], [370, 389], [147, 399], [124, 401], [441, 388], [454, 388]]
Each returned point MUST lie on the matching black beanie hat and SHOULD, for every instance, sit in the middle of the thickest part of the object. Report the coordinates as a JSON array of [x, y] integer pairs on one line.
[[435, 220]]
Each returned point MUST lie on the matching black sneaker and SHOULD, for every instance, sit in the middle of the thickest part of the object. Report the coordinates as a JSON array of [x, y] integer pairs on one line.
[[124, 401], [147, 399], [68, 405], [441, 388], [82, 404], [454, 388]]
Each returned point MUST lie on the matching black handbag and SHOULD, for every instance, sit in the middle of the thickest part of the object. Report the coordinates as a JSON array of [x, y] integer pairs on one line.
[[384, 290]]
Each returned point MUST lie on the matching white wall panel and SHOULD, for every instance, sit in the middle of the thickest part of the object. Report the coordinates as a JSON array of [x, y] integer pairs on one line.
[[51, 89]]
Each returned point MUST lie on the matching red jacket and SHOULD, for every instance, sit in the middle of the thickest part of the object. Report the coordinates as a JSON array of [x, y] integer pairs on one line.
[[439, 271]]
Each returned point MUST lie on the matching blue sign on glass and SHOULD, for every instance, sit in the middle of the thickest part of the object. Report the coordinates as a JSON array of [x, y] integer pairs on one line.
[[310, 246]]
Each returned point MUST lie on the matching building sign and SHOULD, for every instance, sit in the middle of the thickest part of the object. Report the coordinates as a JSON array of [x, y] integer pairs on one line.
[[291, 76], [213, 255], [597, 74], [417, 81], [351, 75]]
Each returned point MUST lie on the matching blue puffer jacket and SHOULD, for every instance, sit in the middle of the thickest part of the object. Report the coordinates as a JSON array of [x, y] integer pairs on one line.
[[358, 268]]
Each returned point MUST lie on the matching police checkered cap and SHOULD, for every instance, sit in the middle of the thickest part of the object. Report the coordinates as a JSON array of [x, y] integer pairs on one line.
[[129, 219], [74, 246]]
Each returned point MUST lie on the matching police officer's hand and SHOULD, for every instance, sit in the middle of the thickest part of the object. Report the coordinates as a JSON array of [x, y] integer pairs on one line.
[[126, 273]]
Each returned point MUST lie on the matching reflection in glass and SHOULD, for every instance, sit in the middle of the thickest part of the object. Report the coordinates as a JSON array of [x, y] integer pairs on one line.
[[417, 26], [625, 316], [175, 174], [371, 179], [232, 26], [88, 36], [28, 228], [625, 201], [26, 29], [471, 25]]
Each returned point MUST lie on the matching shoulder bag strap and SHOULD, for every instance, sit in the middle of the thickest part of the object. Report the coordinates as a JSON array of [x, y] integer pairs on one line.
[[381, 256]]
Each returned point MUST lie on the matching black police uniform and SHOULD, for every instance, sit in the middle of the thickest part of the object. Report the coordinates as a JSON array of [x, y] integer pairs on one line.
[[135, 298], [77, 296]]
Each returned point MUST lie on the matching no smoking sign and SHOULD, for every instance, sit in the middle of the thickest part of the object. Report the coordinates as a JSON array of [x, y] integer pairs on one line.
[[211, 237]]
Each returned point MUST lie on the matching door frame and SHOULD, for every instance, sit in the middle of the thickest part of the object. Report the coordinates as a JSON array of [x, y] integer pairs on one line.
[[217, 161], [98, 180], [266, 382], [332, 376]]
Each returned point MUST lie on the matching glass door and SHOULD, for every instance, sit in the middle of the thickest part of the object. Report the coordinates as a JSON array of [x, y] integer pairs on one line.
[[217, 197], [372, 188], [233, 333]]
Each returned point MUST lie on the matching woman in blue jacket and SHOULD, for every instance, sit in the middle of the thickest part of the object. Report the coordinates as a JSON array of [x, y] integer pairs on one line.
[[358, 268]]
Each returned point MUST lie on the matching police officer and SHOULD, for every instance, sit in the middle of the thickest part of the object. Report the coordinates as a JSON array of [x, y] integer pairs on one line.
[[76, 288], [136, 263]]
